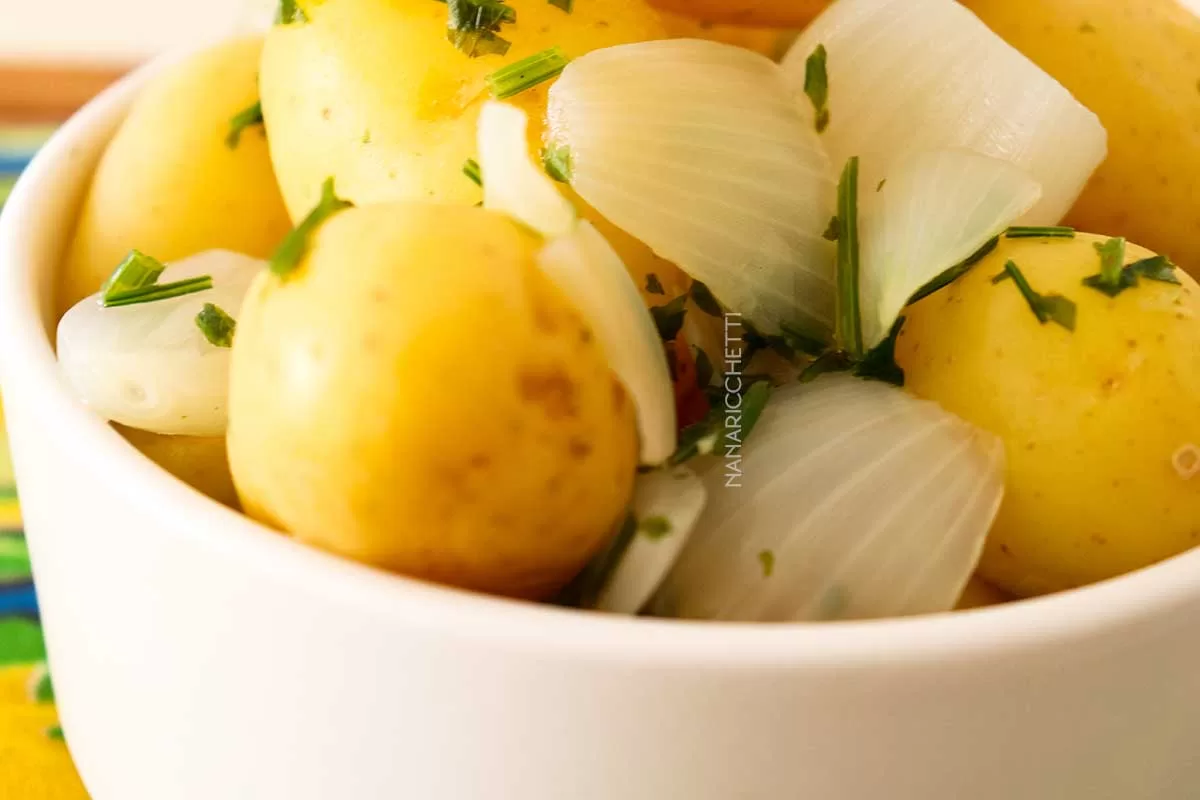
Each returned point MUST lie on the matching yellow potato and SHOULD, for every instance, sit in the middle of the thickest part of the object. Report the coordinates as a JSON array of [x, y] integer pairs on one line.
[[169, 185], [980, 594], [372, 93], [771, 42], [765, 13], [198, 461], [1091, 420], [420, 397], [1135, 63]]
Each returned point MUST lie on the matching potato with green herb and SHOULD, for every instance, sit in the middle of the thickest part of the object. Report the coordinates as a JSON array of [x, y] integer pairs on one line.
[[418, 396], [1094, 390], [171, 183]]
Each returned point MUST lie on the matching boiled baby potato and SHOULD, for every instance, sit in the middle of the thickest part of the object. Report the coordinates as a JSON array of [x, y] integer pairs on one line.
[[170, 185], [372, 93], [771, 42], [418, 396], [198, 461], [980, 594], [765, 13], [1136, 64], [1099, 423]]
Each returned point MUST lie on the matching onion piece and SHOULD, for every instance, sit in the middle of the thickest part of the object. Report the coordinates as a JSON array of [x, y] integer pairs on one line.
[[699, 150], [911, 75], [511, 182], [666, 505], [587, 269], [148, 366], [935, 211], [856, 501]]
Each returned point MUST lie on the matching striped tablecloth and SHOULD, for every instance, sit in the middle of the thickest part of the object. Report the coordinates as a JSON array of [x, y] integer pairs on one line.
[[34, 762]]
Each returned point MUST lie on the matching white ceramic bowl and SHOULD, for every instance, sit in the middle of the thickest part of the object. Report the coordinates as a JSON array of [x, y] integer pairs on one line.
[[198, 656]]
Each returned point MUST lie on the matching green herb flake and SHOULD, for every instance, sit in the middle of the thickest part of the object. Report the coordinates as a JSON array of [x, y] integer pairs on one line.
[[247, 117], [816, 85], [699, 439], [41, 688], [703, 297], [832, 361], [137, 271], [473, 26], [849, 318], [834, 231], [289, 13], [157, 292], [957, 271], [669, 318], [1047, 308], [879, 186], [879, 364], [294, 247], [566, 5], [473, 172], [799, 340], [527, 73], [655, 528], [55, 733], [753, 403], [766, 559], [556, 160], [654, 285], [217, 326], [1039, 232], [1155, 268], [585, 589]]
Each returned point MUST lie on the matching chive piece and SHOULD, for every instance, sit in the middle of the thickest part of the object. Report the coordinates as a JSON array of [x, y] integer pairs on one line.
[[1112, 260], [556, 160], [41, 688], [527, 73], [292, 249], [767, 559], [216, 325], [753, 403], [473, 26], [834, 231], [55, 733], [849, 320], [699, 439], [1047, 308], [584, 590], [654, 528], [801, 341], [1155, 268], [137, 271], [159, 291], [1039, 232], [703, 297], [247, 117], [880, 363], [654, 285], [566, 5], [289, 13], [704, 368], [669, 318], [473, 171], [816, 85], [1126, 280], [954, 273]]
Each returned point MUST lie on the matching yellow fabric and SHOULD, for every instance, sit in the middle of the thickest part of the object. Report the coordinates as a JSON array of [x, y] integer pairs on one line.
[[33, 765]]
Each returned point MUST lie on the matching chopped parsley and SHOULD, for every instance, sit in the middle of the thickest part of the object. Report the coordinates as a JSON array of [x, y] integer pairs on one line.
[[216, 325], [669, 318], [246, 118], [766, 559], [135, 281], [556, 160], [474, 26], [1047, 308], [1154, 268], [654, 285], [472, 170], [566, 5], [880, 363], [834, 231], [55, 733], [816, 85], [1039, 232], [290, 13], [849, 318], [527, 73], [292, 249], [654, 528], [702, 296]]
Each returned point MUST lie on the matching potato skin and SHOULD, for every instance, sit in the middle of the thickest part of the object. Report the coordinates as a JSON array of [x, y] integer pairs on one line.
[[1135, 63], [763, 13], [169, 185], [1090, 419], [418, 396], [372, 93], [198, 461], [770, 42]]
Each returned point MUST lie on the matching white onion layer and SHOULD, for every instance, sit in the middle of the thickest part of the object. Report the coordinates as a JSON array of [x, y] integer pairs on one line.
[[913, 75], [675, 497], [148, 366], [512, 183], [592, 275], [935, 210], [699, 150], [857, 501]]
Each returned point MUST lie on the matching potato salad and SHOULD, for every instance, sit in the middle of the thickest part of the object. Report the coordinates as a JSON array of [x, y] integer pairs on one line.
[[742, 310]]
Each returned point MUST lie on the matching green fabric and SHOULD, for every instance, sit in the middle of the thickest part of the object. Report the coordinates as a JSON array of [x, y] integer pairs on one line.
[[20, 642]]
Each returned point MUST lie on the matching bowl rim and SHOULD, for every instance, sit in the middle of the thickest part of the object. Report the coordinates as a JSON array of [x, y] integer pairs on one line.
[[30, 369]]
